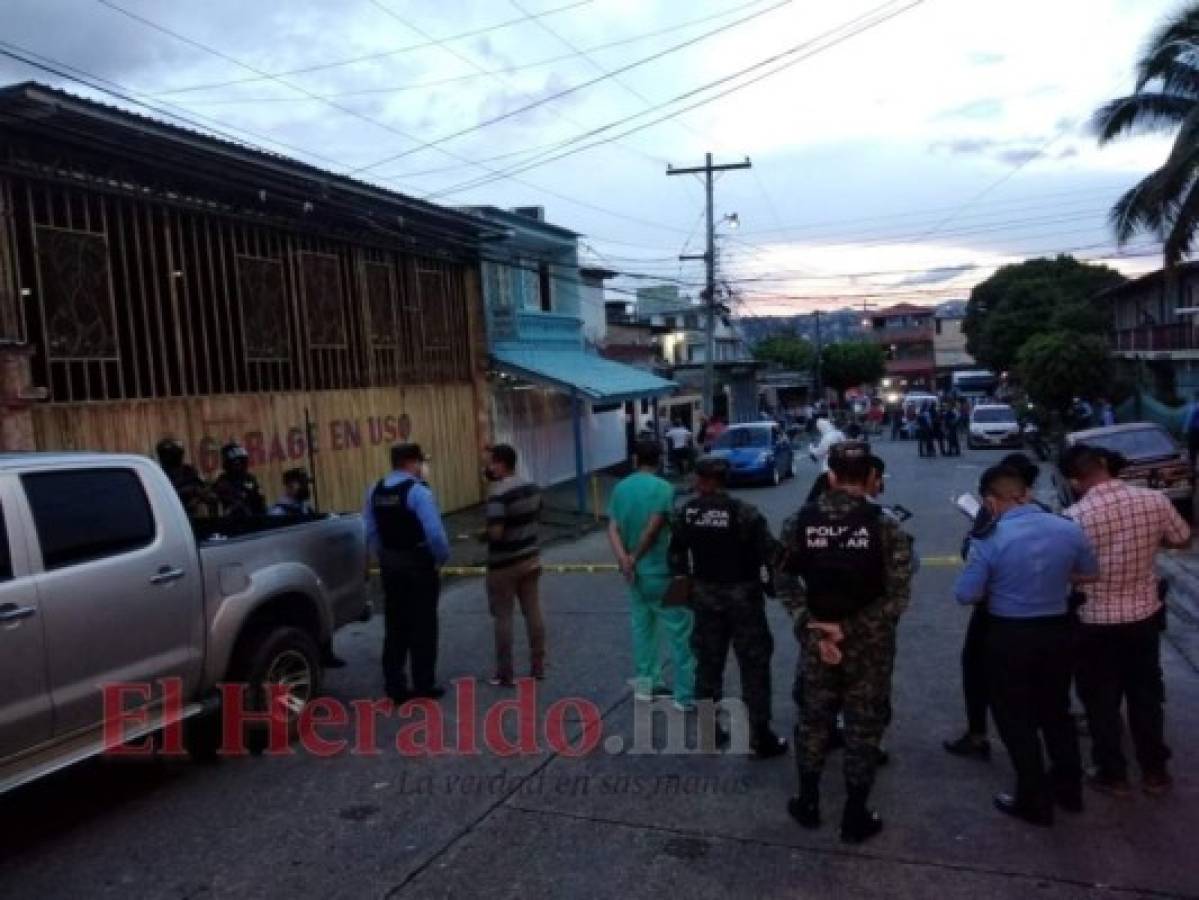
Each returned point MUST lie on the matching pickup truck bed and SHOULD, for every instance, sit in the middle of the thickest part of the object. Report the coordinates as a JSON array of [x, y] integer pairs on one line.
[[104, 580]]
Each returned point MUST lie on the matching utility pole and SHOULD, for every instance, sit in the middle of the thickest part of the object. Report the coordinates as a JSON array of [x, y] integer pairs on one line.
[[709, 257], [819, 361]]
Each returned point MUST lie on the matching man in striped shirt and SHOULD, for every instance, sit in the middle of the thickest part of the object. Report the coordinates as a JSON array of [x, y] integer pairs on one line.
[[1119, 633], [513, 562]]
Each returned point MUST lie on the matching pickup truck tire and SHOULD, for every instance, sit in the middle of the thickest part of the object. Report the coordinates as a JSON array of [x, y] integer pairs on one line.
[[280, 654]]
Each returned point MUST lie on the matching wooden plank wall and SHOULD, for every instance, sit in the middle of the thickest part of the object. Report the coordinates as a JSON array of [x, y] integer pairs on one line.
[[353, 430]]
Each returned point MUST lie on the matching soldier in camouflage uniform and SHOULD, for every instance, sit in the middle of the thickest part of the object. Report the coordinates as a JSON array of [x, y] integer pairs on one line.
[[724, 544], [846, 578]]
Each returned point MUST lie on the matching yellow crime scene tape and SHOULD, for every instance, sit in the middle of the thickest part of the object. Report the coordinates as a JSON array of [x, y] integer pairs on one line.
[[611, 568]]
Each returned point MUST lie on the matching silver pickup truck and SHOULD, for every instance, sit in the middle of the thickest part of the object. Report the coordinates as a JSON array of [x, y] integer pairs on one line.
[[104, 580]]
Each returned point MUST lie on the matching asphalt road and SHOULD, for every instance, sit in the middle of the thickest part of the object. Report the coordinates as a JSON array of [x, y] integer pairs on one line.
[[629, 825]]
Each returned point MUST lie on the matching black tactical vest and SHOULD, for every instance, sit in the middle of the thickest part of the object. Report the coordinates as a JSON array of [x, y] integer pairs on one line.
[[401, 535], [718, 553], [841, 560]]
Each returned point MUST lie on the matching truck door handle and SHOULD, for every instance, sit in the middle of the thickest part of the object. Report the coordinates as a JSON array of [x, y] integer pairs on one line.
[[166, 574], [10, 612]]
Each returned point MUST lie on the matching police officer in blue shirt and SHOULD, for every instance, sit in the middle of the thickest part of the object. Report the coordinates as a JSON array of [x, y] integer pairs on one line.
[[405, 531], [1025, 569]]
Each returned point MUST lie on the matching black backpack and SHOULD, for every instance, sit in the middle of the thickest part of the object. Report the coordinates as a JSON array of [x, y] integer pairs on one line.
[[841, 560]]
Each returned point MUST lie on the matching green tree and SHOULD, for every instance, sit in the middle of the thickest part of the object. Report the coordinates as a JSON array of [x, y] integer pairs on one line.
[[788, 350], [1058, 366], [1165, 98], [1036, 296], [847, 364]]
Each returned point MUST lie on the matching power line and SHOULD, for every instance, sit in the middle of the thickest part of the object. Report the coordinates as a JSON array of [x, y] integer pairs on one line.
[[384, 125], [566, 92], [370, 57], [782, 56], [455, 79]]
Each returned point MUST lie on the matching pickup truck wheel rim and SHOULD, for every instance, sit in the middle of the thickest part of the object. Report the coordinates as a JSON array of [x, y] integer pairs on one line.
[[291, 670]]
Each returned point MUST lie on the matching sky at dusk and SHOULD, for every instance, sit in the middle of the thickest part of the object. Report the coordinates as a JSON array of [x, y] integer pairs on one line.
[[901, 150]]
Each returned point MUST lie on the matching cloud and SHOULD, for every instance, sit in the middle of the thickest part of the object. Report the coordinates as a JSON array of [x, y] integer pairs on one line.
[[964, 146], [934, 276], [987, 108], [982, 58], [1018, 156]]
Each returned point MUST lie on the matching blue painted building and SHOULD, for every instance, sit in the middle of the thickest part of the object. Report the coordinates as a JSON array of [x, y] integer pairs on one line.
[[560, 404]]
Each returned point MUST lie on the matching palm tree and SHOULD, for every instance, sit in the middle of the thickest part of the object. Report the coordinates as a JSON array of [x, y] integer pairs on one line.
[[1166, 202]]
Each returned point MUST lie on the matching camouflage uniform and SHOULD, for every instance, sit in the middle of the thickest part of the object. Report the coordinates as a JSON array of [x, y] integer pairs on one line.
[[860, 685], [723, 543]]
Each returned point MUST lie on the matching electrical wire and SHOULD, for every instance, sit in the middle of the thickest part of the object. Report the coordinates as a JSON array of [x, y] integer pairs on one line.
[[371, 57], [565, 92], [797, 51]]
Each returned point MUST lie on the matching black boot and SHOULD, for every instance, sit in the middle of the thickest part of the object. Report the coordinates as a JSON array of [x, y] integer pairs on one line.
[[859, 824], [805, 809], [766, 744]]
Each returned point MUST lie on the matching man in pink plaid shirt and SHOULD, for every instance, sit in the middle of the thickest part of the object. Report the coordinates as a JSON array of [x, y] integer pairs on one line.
[[1119, 642]]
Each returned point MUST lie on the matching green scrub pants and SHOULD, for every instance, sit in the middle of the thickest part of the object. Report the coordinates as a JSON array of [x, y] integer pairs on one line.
[[650, 619]]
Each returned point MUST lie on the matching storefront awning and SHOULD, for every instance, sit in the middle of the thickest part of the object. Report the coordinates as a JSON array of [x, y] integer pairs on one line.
[[590, 375]]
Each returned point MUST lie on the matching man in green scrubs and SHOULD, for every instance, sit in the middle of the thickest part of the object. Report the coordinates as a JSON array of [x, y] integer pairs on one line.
[[639, 531]]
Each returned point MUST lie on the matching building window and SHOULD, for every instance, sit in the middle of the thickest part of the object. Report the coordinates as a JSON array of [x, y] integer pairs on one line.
[[544, 285], [263, 307], [76, 299], [938, 321], [323, 300]]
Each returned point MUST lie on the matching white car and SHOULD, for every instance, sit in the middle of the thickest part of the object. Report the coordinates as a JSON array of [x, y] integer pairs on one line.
[[994, 425]]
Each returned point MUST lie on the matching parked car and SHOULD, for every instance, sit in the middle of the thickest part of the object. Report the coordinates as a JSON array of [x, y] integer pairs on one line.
[[1155, 460], [756, 451], [103, 580], [993, 425]]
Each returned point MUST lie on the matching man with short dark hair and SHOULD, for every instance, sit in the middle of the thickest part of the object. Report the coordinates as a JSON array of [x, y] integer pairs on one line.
[[639, 532], [680, 441], [974, 742], [513, 562], [846, 579], [1024, 569], [404, 529], [296, 493], [1119, 639]]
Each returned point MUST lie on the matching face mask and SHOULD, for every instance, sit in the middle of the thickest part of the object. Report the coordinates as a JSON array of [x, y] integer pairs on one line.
[[490, 475]]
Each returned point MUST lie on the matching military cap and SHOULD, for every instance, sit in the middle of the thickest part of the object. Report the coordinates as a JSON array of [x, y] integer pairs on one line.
[[847, 452], [712, 467]]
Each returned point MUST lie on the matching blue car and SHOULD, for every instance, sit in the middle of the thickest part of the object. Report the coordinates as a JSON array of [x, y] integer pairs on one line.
[[757, 451]]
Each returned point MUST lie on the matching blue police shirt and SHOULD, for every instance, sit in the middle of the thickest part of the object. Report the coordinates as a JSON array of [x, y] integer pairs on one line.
[[423, 504], [1023, 568]]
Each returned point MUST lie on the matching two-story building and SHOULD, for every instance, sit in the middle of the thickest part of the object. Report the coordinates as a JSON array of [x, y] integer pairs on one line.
[[1155, 339], [906, 332], [159, 282], [559, 403], [949, 343]]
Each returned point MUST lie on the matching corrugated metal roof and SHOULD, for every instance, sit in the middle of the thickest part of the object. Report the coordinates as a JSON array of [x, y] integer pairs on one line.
[[592, 376], [106, 115]]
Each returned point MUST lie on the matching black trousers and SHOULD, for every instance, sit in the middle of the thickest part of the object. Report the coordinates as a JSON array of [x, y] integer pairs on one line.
[[974, 670], [410, 628], [955, 447], [1122, 664], [1029, 666]]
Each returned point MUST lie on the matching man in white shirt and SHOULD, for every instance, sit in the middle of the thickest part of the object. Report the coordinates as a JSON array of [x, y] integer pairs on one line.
[[679, 439]]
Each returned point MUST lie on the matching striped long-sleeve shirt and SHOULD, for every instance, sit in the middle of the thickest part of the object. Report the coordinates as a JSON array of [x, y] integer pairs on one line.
[[515, 504]]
